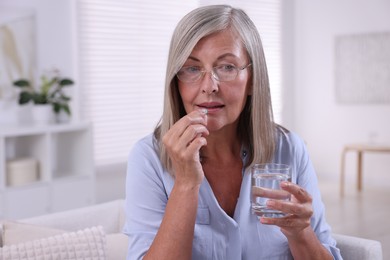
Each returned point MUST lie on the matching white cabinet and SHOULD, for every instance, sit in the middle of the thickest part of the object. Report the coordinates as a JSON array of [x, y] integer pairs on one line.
[[65, 173], [30, 200]]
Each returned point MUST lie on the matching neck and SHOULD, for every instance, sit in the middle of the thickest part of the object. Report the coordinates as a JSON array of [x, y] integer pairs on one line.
[[222, 146]]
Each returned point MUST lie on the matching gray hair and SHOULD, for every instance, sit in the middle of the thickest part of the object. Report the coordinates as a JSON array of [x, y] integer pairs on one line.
[[256, 128]]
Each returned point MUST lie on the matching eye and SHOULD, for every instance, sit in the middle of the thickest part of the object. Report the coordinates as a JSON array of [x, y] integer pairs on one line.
[[190, 70], [226, 68]]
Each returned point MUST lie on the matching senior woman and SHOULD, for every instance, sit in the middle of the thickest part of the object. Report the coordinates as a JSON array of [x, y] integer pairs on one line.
[[188, 184]]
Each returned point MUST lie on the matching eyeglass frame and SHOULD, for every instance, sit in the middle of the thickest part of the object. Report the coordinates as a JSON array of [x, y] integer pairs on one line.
[[213, 74]]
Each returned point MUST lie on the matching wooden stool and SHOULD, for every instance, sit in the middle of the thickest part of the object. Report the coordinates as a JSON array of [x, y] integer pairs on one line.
[[360, 149]]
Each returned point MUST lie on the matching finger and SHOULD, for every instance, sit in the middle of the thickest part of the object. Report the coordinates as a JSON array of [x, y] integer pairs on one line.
[[273, 221], [270, 193], [195, 126], [187, 146], [195, 117], [178, 129], [194, 147], [194, 132], [289, 221], [292, 208], [299, 193]]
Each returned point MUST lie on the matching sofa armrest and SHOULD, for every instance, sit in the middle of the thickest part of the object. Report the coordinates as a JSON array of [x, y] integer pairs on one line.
[[110, 215], [355, 248]]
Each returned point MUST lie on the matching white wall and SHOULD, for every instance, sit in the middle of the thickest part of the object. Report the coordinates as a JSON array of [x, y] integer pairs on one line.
[[324, 124], [55, 37]]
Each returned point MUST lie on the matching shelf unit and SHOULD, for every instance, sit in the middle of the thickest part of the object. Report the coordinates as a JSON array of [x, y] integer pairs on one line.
[[66, 178]]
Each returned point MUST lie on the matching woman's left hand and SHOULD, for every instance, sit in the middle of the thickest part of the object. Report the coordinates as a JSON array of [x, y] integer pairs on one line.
[[299, 211]]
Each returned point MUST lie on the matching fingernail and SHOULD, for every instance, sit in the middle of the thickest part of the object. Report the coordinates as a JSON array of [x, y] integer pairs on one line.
[[204, 111], [284, 184]]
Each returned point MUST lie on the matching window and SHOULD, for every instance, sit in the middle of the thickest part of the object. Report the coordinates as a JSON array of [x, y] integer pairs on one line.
[[123, 52]]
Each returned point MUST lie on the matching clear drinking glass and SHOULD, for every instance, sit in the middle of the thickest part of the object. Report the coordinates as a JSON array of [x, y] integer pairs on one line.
[[266, 179]]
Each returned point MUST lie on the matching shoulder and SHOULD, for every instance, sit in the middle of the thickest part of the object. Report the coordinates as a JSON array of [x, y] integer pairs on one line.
[[291, 149], [148, 141], [145, 150], [143, 164], [290, 140], [146, 144]]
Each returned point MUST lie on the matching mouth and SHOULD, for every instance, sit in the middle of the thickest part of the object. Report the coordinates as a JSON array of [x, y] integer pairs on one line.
[[211, 107]]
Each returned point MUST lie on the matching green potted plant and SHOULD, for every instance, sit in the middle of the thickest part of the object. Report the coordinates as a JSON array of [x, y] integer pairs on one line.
[[51, 92]]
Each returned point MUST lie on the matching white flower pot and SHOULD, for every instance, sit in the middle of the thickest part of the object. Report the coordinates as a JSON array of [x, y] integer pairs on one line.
[[42, 114]]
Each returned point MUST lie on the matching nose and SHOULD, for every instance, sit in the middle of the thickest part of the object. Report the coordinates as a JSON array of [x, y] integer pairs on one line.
[[209, 83]]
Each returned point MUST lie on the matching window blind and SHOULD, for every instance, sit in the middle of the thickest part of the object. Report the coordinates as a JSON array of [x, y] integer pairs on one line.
[[123, 49], [123, 52]]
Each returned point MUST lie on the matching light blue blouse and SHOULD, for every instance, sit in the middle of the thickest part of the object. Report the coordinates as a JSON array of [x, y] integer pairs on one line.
[[217, 235]]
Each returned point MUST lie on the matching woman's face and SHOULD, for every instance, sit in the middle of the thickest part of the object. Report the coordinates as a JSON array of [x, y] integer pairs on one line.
[[224, 101]]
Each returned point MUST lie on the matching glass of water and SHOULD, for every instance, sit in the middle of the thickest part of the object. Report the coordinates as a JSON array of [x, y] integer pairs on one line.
[[266, 179]]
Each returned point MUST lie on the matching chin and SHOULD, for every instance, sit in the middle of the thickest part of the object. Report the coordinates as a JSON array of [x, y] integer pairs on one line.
[[214, 126]]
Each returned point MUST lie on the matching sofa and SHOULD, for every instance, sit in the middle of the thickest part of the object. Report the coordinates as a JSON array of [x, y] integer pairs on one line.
[[92, 232], [100, 226]]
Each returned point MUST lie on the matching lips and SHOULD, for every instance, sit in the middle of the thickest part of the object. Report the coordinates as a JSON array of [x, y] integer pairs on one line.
[[211, 106]]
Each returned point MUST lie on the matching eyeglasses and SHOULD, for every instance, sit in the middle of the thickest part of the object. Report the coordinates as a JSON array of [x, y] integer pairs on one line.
[[222, 73]]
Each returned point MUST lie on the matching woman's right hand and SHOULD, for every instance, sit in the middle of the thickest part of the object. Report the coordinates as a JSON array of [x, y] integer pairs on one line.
[[183, 142]]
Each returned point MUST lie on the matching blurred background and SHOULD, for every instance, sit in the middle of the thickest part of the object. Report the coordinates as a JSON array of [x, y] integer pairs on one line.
[[329, 65]]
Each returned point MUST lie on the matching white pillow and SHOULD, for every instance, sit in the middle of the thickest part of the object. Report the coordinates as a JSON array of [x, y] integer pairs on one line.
[[89, 243], [16, 232]]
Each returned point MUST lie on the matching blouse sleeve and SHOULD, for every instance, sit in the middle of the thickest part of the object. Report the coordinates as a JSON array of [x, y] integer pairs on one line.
[[306, 178], [146, 198]]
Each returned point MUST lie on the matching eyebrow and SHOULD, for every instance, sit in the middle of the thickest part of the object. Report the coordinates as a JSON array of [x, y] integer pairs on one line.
[[219, 58]]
